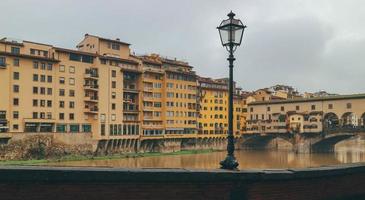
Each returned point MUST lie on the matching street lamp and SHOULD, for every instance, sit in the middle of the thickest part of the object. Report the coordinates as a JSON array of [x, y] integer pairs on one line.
[[231, 32]]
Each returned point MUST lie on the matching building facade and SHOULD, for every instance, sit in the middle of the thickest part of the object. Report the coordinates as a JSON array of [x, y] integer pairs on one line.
[[213, 108], [306, 115], [98, 88]]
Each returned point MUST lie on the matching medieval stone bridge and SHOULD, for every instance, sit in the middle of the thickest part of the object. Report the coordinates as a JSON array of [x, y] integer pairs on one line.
[[302, 142]]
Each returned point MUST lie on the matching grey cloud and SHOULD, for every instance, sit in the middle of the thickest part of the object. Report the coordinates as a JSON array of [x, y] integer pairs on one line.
[[311, 45]]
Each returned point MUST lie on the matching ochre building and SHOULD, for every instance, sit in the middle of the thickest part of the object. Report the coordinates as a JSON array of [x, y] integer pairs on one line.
[[103, 89]]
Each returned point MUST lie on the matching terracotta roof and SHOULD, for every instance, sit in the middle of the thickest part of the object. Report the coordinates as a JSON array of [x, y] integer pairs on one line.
[[75, 51], [107, 39], [119, 59]]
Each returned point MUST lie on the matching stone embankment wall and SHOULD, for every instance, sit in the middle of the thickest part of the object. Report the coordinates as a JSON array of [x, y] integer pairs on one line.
[[46, 145], [336, 182], [24, 146]]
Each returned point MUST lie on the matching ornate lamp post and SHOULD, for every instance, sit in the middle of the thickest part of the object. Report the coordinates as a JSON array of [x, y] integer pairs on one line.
[[231, 32]]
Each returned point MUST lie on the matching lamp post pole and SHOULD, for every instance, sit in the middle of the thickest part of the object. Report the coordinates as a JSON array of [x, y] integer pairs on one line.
[[230, 161]]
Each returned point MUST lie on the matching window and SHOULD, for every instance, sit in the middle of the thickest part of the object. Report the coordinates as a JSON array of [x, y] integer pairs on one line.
[[103, 61], [43, 66], [114, 84], [62, 68], [49, 79], [16, 75], [71, 69], [86, 128], [32, 51], [114, 95], [16, 62], [72, 93], [15, 114], [268, 108], [251, 109], [42, 90], [330, 106], [81, 58], [348, 105], [15, 50], [102, 129], [35, 102], [49, 103], [296, 107], [42, 115], [71, 104], [35, 65], [16, 88], [16, 102], [62, 92], [113, 117], [61, 116], [62, 104], [282, 108], [35, 115], [61, 128], [72, 81], [35, 90], [43, 103], [49, 91], [49, 66], [113, 106], [114, 73], [35, 77], [71, 116], [43, 78], [3, 61], [15, 126], [49, 115], [62, 80], [313, 107]]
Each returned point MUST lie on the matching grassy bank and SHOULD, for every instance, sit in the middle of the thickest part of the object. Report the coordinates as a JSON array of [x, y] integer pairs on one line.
[[107, 157]]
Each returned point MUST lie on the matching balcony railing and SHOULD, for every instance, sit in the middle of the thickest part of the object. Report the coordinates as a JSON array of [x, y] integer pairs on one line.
[[92, 110], [91, 98], [130, 108], [91, 76], [91, 87]]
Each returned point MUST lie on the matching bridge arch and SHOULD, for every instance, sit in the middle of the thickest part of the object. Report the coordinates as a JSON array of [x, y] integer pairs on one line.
[[328, 143], [265, 141], [362, 120], [330, 120], [349, 119]]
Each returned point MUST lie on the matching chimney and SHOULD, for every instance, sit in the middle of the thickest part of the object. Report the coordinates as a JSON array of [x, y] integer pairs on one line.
[[117, 39]]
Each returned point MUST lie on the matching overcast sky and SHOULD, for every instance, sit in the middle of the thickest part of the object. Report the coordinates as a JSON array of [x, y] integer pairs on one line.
[[311, 45]]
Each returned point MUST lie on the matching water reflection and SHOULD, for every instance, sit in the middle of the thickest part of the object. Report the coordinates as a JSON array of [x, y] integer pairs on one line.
[[345, 152]]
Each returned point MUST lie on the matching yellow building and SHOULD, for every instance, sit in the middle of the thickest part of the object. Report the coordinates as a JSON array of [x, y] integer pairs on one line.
[[213, 109]]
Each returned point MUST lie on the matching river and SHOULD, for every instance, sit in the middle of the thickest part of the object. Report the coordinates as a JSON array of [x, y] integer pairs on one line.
[[350, 151]]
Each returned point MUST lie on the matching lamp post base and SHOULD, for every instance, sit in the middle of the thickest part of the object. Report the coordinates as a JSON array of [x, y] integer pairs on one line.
[[229, 163]]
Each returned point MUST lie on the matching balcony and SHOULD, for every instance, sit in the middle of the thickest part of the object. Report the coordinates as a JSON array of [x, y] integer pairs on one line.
[[130, 108], [93, 76], [148, 89], [91, 87], [130, 88], [92, 110], [93, 99]]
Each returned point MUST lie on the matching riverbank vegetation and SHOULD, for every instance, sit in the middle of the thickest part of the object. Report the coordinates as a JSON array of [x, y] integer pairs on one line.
[[105, 157]]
